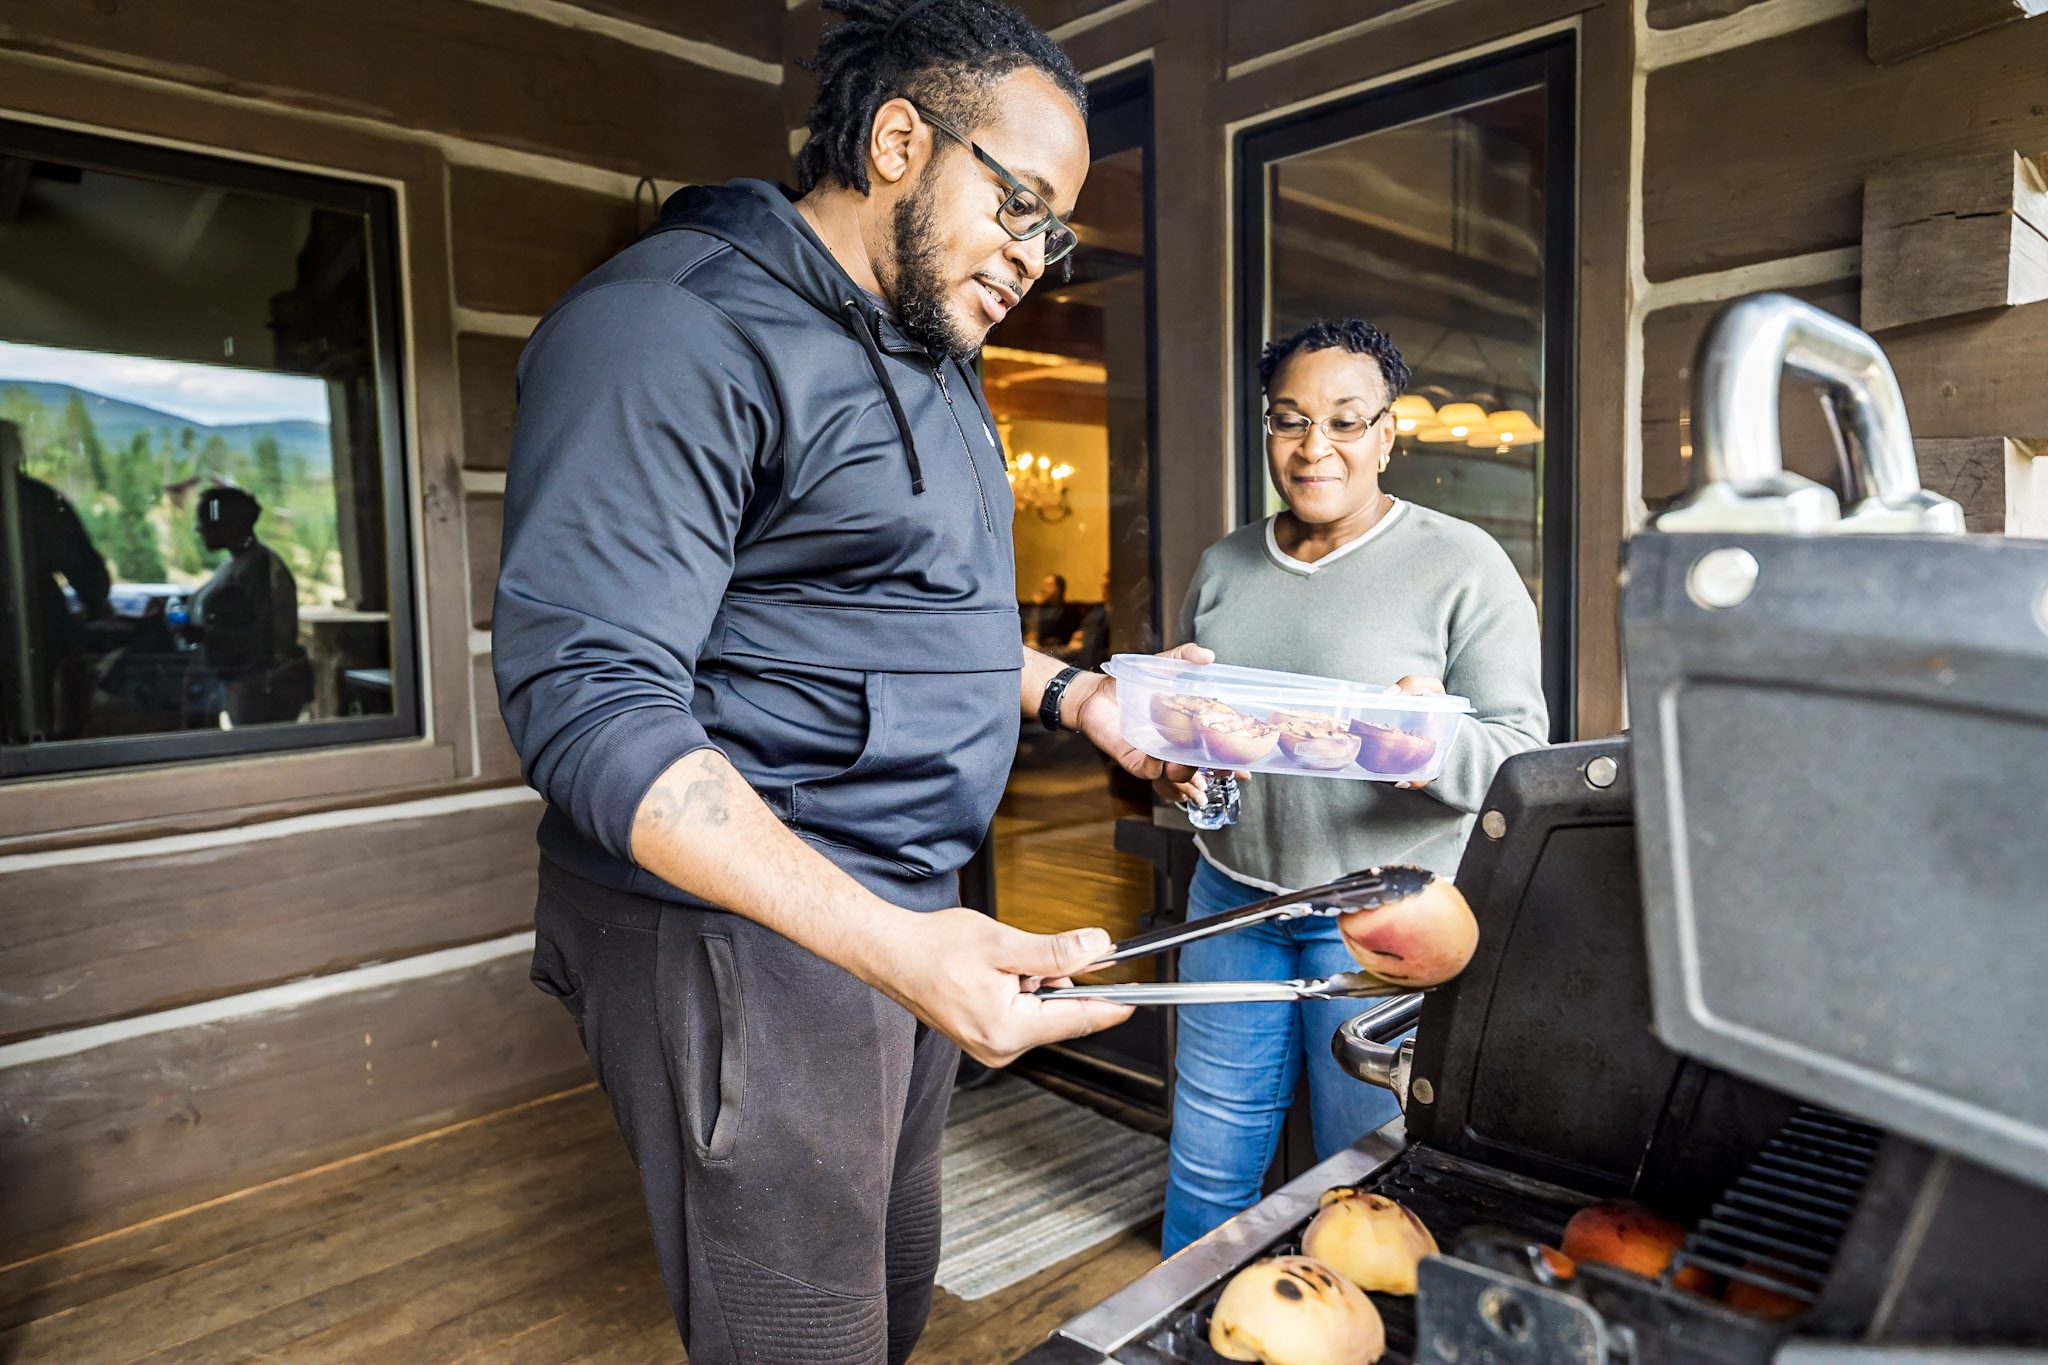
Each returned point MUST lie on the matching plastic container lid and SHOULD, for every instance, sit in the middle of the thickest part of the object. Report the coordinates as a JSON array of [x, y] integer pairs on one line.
[[1266, 688]]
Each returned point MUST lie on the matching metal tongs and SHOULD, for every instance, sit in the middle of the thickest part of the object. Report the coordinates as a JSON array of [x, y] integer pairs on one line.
[[1367, 890]]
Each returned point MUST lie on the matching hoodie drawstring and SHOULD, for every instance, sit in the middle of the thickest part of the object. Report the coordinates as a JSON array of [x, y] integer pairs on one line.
[[869, 343]]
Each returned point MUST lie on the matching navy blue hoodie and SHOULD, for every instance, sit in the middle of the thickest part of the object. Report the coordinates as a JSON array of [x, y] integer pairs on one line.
[[745, 511]]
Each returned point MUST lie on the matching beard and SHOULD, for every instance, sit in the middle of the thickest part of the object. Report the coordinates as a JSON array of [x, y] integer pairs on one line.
[[921, 292]]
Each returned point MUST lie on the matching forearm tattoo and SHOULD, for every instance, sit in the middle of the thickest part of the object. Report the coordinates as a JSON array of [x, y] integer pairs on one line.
[[678, 803]]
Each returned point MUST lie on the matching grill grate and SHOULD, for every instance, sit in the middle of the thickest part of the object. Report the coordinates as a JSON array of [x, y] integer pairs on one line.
[[1449, 1195], [1779, 1225]]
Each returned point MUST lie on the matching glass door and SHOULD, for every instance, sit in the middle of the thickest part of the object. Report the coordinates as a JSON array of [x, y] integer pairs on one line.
[[1442, 210], [1069, 378]]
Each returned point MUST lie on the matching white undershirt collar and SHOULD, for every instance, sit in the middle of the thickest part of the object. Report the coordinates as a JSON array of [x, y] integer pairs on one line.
[[1303, 567]]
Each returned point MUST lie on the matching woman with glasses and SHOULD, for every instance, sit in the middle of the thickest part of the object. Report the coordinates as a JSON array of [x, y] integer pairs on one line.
[[1346, 582]]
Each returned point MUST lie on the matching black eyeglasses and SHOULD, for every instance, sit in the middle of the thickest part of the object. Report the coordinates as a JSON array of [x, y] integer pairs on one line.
[[1024, 214], [1339, 427]]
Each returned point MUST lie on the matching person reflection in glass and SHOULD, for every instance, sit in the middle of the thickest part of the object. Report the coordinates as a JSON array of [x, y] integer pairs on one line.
[[1046, 614], [54, 647], [1089, 647], [245, 618]]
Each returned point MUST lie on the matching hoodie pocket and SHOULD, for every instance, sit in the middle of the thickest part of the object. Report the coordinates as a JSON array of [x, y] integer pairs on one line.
[[807, 794], [785, 725], [927, 782], [935, 717]]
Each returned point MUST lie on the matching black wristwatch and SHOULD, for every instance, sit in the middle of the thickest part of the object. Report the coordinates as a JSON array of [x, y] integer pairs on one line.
[[1049, 704]]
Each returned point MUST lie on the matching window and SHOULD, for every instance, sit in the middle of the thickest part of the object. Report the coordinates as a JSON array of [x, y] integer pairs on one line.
[[203, 546], [1440, 209]]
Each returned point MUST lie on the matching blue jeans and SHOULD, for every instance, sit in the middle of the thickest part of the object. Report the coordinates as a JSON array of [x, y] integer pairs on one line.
[[1236, 1066]]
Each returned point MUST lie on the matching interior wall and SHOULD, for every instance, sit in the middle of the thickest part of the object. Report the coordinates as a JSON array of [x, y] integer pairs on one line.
[[219, 973]]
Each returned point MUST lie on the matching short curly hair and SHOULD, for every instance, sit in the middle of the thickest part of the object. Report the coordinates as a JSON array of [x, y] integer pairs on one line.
[[946, 56], [1346, 334]]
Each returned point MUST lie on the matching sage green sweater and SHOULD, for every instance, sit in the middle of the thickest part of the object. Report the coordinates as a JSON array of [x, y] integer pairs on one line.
[[1420, 593]]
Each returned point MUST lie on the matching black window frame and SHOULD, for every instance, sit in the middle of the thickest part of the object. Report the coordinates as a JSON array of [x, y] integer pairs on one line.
[[1119, 120], [1552, 64], [1134, 1062], [378, 205]]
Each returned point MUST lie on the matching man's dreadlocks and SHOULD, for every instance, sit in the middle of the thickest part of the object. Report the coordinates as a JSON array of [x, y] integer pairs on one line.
[[945, 56]]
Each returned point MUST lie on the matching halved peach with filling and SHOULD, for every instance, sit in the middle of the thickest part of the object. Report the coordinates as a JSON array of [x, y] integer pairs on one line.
[[1236, 739], [1176, 714]]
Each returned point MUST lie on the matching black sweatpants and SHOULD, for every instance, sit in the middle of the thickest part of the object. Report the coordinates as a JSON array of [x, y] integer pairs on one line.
[[784, 1116]]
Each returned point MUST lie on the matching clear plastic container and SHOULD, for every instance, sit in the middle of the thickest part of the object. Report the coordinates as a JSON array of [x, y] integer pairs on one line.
[[1262, 721]]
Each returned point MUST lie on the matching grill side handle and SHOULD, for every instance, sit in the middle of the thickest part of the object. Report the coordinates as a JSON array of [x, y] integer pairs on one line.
[[1364, 1044], [1739, 478]]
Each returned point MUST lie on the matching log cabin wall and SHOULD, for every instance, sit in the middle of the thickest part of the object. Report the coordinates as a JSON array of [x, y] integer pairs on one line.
[[213, 974], [1861, 156], [1221, 66]]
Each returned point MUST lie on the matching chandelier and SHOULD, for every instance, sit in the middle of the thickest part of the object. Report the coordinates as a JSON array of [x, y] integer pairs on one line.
[[1040, 486]]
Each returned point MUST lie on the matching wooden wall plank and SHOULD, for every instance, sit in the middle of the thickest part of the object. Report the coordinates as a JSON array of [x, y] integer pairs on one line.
[[449, 66], [1670, 14], [801, 29], [1976, 376], [81, 943], [1257, 27], [496, 758], [1953, 236], [1761, 152], [748, 28], [1115, 39], [488, 367], [1053, 14], [519, 243], [2001, 483], [485, 514], [1899, 29], [170, 1118], [1346, 62]]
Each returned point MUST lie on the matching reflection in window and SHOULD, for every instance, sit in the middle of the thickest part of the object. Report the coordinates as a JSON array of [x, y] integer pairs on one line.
[[1440, 210], [195, 419], [1435, 232]]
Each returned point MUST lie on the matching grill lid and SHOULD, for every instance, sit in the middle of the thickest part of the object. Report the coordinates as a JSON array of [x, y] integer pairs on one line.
[[1841, 763]]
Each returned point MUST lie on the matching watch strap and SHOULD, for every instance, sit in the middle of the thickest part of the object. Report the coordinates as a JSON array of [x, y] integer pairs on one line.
[[1049, 704]]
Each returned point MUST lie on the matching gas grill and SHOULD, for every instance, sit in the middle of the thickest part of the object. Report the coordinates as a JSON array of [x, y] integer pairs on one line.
[[1770, 963]]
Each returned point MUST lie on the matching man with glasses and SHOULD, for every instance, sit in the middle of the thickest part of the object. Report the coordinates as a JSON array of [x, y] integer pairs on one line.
[[756, 641]]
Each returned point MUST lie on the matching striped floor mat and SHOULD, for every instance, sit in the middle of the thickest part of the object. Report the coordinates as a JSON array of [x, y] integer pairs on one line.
[[1030, 1179]]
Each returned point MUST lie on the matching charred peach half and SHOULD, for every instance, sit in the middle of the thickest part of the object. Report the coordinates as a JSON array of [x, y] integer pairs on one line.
[[1176, 715], [1389, 749], [1235, 738]]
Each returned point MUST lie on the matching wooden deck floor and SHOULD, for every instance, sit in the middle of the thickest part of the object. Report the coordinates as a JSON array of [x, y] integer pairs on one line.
[[1057, 866], [518, 1237]]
